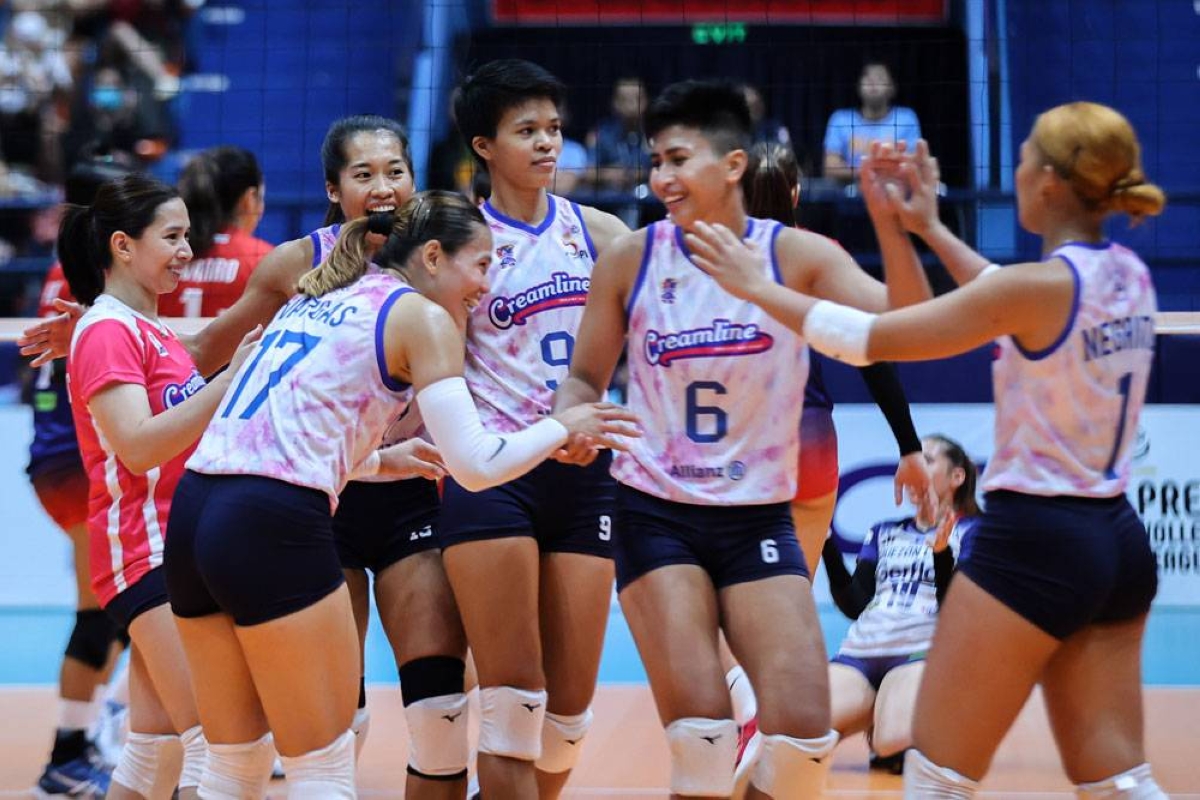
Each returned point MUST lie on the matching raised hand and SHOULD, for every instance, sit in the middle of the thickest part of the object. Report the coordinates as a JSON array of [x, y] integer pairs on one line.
[[737, 265], [922, 178], [606, 424], [912, 476], [50, 338]]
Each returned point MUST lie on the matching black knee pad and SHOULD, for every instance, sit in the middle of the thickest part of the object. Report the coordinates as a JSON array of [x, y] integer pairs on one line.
[[431, 676], [92, 638]]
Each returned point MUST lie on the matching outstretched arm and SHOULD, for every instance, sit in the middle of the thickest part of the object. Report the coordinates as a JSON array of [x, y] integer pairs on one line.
[[424, 347]]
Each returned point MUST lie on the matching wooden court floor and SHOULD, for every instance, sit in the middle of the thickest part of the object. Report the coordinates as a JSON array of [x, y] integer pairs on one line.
[[626, 753]]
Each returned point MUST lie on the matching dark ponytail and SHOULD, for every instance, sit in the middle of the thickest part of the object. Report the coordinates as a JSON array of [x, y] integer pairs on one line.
[[126, 204], [447, 217], [771, 175], [211, 185]]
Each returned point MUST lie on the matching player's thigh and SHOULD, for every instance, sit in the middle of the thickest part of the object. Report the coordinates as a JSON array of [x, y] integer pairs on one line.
[[894, 708], [495, 584], [574, 604], [1093, 693], [774, 633], [416, 606], [982, 644], [851, 699], [673, 616]]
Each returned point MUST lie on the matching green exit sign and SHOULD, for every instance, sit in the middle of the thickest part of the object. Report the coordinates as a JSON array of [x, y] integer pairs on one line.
[[719, 33]]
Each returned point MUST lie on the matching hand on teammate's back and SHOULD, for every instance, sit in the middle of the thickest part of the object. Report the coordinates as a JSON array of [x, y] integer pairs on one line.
[[50, 338]]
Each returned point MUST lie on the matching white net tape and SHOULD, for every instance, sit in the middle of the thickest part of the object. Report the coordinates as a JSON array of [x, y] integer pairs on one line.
[[1168, 323]]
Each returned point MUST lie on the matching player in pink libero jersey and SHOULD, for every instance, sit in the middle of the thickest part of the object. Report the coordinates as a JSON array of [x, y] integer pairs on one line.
[[1059, 577], [139, 406]]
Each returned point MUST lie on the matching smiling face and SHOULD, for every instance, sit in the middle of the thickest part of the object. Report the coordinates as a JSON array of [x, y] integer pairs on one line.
[[376, 176], [690, 179], [155, 260], [457, 282], [525, 149]]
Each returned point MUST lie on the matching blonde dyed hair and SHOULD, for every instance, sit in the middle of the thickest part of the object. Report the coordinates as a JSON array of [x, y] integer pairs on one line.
[[445, 217], [1096, 150]]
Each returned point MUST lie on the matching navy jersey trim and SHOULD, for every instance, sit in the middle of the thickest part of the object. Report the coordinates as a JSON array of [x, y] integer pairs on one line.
[[1038, 355], [335, 228], [380, 351], [1097, 246], [551, 212], [587, 236], [774, 256], [641, 274]]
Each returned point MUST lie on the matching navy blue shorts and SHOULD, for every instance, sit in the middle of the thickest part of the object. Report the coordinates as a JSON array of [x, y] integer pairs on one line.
[[1063, 562], [254, 548], [734, 544], [568, 509], [148, 593], [876, 668], [379, 524]]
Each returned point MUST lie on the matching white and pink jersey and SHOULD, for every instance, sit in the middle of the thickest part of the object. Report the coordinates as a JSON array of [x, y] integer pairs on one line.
[[323, 240], [315, 397], [717, 383], [127, 513], [1066, 417], [520, 337]]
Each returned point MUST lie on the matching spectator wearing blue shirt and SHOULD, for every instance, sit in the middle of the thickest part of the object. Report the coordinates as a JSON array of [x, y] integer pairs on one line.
[[851, 130], [618, 150]]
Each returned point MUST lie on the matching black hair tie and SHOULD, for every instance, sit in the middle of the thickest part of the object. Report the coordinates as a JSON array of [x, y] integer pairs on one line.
[[381, 222]]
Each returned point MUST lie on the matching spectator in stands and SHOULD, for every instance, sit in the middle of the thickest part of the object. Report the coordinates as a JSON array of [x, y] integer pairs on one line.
[[766, 129], [33, 76], [109, 118], [851, 130], [616, 146]]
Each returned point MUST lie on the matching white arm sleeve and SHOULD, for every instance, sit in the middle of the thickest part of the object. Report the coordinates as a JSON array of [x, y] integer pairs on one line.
[[476, 458], [839, 332]]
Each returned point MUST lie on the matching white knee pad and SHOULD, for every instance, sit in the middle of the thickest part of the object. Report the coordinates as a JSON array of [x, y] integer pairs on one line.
[[238, 771], [437, 736], [1135, 784], [924, 780], [794, 768], [325, 774], [562, 741], [195, 756], [510, 722], [149, 765], [703, 752], [360, 727]]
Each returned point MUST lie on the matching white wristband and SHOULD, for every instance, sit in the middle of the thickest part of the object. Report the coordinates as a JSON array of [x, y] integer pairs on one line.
[[839, 332]]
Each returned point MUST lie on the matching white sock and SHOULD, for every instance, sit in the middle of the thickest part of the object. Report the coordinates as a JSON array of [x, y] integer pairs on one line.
[[76, 715], [745, 705]]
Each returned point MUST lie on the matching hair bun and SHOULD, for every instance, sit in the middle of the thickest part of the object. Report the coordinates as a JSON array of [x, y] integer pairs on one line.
[[381, 222]]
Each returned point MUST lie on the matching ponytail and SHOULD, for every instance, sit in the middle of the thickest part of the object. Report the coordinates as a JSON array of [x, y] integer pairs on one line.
[[212, 184], [198, 187], [127, 204], [83, 257], [349, 258], [446, 217]]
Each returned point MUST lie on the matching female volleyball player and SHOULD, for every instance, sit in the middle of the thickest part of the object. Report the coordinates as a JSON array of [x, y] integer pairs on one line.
[[276, 649], [1059, 577]]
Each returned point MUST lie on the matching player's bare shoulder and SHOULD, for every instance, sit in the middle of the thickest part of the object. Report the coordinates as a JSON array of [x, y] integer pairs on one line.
[[281, 269], [604, 228]]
